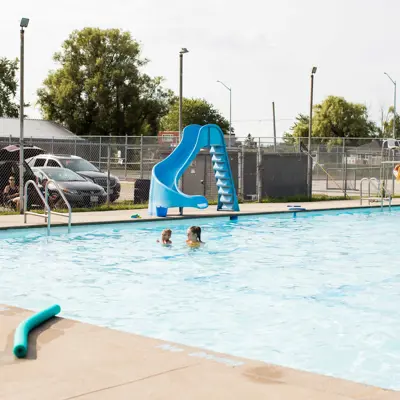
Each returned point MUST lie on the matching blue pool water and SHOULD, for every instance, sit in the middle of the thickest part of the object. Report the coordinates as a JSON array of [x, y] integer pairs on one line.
[[320, 292]]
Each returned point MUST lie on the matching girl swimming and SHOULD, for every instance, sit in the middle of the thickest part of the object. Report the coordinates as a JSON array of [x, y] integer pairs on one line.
[[166, 237], [194, 236]]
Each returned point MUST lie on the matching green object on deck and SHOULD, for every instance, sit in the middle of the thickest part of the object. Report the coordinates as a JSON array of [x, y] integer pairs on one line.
[[24, 328]]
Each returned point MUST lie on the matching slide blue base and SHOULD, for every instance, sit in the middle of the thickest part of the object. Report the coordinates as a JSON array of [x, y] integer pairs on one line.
[[23, 329], [164, 190]]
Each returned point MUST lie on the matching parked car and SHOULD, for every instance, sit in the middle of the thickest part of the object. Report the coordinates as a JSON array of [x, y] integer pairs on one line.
[[80, 166], [78, 191], [9, 166]]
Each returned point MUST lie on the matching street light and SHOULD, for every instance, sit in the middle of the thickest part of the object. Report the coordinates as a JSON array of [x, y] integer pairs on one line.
[[309, 159], [394, 105], [230, 110], [23, 24], [183, 51]]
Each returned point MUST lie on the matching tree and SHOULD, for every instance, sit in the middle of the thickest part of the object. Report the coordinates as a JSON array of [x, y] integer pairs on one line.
[[8, 88], [99, 88], [386, 128], [194, 111], [334, 119], [299, 129]]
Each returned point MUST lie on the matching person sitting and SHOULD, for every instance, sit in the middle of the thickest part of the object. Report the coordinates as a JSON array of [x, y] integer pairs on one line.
[[11, 194]]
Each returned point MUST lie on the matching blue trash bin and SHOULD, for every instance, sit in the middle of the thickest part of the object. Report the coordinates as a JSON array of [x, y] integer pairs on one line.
[[161, 211]]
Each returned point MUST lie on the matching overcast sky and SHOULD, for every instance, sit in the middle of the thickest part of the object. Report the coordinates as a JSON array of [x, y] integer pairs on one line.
[[263, 49]]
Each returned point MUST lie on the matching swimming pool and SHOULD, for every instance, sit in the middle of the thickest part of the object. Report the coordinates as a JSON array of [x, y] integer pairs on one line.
[[318, 293]]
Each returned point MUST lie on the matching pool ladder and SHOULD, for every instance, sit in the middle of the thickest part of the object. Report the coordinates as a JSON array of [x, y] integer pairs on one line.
[[47, 209], [381, 198]]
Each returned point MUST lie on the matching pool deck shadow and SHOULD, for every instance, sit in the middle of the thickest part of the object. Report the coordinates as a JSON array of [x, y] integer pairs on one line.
[[101, 217], [74, 360]]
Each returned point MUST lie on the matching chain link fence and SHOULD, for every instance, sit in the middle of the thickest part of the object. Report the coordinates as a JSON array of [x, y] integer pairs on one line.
[[116, 169]]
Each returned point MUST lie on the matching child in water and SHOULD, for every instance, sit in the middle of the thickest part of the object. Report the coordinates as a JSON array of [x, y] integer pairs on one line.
[[194, 236], [166, 237]]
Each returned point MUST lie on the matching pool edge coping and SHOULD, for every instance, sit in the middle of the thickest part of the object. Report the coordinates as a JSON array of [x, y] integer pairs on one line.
[[198, 216], [289, 376]]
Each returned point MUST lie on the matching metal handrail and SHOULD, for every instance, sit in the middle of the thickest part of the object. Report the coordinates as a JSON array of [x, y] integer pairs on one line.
[[381, 196], [369, 187], [46, 205], [69, 215]]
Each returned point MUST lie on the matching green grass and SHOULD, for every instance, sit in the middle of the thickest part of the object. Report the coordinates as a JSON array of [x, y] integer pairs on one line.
[[304, 199], [123, 205], [8, 213]]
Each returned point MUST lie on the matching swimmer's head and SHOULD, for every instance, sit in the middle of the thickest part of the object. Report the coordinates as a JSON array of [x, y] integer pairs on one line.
[[194, 234], [166, 235]]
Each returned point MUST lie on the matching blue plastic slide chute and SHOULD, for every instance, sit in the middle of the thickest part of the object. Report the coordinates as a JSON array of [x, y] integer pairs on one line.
[[164, 190]]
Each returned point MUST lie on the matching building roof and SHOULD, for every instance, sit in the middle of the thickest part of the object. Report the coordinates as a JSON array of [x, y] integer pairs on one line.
[[35, 128], [374, 144]]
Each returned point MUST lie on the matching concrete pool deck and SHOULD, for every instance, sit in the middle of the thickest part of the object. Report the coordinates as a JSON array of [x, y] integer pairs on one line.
[[71, 360], [17, 221]]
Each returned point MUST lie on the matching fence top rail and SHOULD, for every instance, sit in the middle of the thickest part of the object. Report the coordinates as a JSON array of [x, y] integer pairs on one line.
[[159, 138]]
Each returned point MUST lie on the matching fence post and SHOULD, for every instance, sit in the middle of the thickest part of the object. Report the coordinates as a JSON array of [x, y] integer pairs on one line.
[[100, 154], [390, 169], [52, 145], [274, 124], [75, 147], [343, 163], [126, 156], [108, 173], [10, 140], [344, 167], [239, 172], [345, 173], [141, 156], [259, 172]]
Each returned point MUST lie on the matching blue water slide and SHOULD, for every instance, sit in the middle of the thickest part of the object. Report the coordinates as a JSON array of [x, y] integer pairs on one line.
[[164, 190]]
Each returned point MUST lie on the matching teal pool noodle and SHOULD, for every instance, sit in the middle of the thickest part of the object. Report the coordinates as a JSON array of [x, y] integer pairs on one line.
[[24, 328]]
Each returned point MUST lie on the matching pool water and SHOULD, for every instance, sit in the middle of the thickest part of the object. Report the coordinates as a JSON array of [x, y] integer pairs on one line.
[[319, 292]]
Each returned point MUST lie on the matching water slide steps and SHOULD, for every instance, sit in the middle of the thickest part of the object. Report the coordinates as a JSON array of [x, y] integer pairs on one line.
[[223, 177]]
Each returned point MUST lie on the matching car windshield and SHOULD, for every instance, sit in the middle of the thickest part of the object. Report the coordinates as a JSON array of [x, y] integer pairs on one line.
[[62, 175], [78, 164]]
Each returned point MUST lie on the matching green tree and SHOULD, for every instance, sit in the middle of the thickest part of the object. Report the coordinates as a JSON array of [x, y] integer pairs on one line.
[[334, 119], [386, 128], [298, 130], [8, 88], [99, 88], [194, 111]]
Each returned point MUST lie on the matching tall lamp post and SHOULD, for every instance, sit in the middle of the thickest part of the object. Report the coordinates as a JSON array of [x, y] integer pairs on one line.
[[230, 110], [181, 53], [24, 24], [394, 105], [309, 159]]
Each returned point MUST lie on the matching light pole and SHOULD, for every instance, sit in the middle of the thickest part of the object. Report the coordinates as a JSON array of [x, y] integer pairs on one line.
[[394, 105], [230, 110], [24, 24], [181, 53], [309, 159]]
